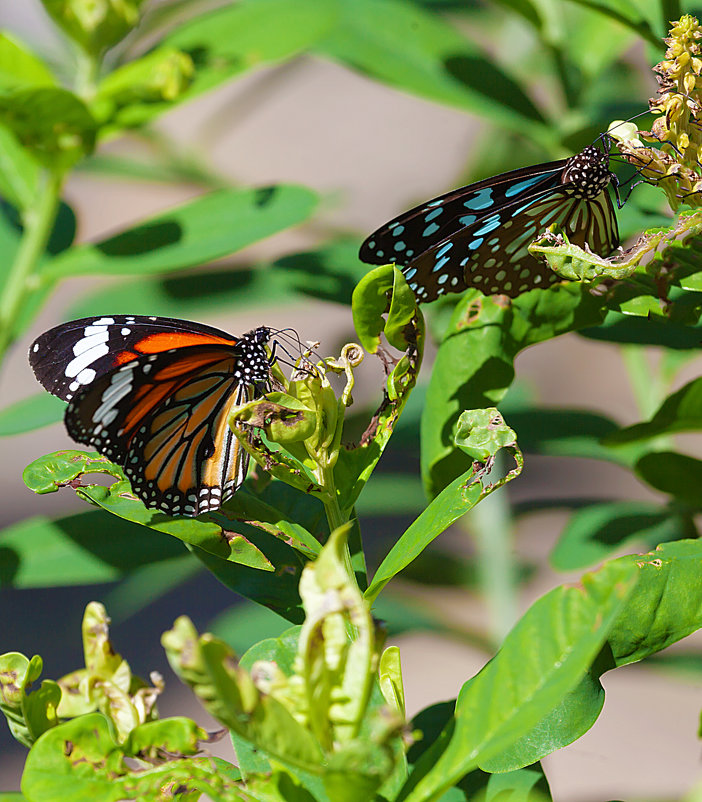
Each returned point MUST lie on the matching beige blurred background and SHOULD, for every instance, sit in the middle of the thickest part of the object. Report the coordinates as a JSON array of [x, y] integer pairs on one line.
[[371, 152]]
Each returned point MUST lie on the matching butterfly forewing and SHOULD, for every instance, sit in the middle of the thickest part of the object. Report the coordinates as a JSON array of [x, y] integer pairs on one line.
[[407, 237], [70, 356], [478, 236]]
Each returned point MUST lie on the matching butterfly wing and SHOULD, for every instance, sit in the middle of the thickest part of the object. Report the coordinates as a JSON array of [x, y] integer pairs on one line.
[[407, 237], [478, 236], [70, 356], [492, 254], [163, 417]]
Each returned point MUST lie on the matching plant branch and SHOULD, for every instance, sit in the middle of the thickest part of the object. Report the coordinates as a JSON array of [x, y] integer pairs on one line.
[[38, 225]]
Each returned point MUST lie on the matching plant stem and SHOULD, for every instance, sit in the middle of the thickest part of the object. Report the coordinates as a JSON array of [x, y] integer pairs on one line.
[[87, 75], [491, 525], [38, 224]]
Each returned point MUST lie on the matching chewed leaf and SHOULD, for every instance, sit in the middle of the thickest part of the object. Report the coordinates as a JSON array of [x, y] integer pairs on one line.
[[384, 290], [53, 471], [29, 714], [67, 468], [481, 433]]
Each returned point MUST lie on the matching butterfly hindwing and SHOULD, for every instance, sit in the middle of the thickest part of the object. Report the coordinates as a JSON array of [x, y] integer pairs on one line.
[[70, 356], [493, 255], [163, 417]]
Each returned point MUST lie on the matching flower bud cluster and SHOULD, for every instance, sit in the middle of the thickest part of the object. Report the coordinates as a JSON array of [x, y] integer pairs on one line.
[[676, 165]]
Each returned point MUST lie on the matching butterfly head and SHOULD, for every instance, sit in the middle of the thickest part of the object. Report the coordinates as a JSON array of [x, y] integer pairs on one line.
[[254, 364], [587, 173]]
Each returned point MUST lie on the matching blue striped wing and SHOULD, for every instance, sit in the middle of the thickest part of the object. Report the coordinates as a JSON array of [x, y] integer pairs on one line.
[[492, 254], [478, 235]]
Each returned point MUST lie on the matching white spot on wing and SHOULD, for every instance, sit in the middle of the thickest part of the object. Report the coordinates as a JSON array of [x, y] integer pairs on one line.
[[84, 360]]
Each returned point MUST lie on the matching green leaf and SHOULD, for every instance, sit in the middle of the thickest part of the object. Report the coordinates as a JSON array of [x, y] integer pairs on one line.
[[593, 533], [660, 611], [672, 473], [418, 52], [640, 17], [453, 501], [568, 433], [19, 171], [474, 363], [28, 714], [370, 303], [58, 469], [52, 123], [619, 328], [541, 660], [31, 413], [80, 760], [19, 66], [39, 552], [523, 785], [680, 412], [481, 433], [49, 473], [329, 273], [248, 35], [199, 231]]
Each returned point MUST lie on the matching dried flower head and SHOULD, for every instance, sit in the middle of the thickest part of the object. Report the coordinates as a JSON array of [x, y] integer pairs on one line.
[[675, 166]]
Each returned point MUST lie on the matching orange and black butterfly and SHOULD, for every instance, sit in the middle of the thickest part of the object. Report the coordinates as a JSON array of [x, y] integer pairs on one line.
[[153, 395]]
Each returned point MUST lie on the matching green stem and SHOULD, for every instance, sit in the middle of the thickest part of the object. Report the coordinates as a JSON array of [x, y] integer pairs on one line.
[[645, 382], [490, 522], [87, 75], [38, 224]]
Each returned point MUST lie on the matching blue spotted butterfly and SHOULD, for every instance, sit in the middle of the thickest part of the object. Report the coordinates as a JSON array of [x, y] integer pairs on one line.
[[478, 235]]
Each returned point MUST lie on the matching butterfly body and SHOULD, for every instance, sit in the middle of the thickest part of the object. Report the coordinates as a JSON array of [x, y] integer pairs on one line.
[[478, 235], [154, 396]]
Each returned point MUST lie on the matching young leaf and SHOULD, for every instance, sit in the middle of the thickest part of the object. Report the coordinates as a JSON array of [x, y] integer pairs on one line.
[[29, 714], [228, 693], [95, 27], [80, 760], [199, 231], [126, 96], [19, 66], [52, 123]]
